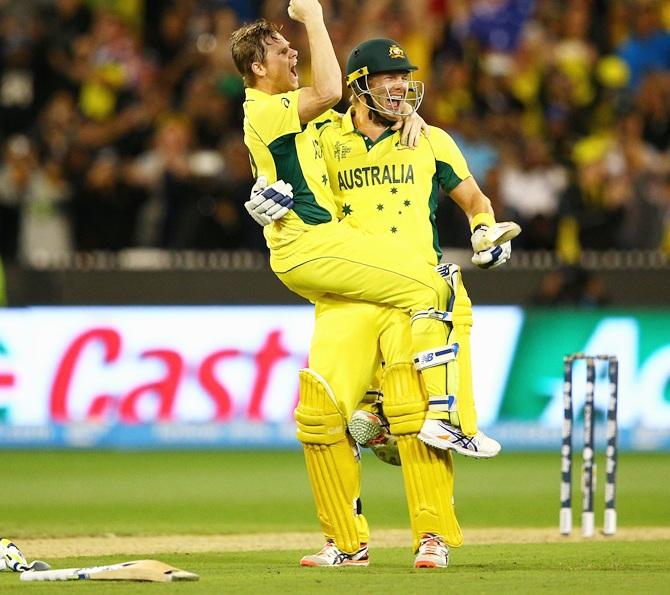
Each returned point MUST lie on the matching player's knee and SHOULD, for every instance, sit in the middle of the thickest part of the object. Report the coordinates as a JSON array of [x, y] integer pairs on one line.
[[318, 419], [435, 296], [405, 399]]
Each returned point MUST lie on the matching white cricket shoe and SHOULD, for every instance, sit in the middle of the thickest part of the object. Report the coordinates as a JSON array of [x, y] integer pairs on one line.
[[433, 552], [370, 431], [440, 434], [331, 555]]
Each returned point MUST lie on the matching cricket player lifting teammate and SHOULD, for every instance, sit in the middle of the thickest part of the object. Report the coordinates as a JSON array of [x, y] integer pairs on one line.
[[320, 259], [382, 188]]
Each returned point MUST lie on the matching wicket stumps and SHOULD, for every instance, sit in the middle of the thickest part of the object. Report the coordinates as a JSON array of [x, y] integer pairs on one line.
[[588, 453]]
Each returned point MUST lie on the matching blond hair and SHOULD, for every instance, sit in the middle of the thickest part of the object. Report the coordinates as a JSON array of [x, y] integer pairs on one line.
[[248, 44]]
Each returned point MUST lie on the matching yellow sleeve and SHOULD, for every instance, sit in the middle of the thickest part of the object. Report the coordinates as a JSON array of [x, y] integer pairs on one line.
[[274, 116], [329, 116], [449, 161]]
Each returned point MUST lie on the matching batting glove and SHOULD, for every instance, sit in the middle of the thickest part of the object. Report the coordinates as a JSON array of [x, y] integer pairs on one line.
[[12, 559], [493, 257], [269, 203], [492, 245]]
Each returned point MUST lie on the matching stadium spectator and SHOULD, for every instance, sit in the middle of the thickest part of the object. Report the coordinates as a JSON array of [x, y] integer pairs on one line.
[[653, 105], [571, 286], [105, 206], [78, 77], [530, 186], [647, 49]]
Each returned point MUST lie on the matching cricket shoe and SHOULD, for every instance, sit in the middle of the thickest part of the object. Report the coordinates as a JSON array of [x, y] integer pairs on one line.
[[433, 552], [331, 555], [440, 434], [370, 431]]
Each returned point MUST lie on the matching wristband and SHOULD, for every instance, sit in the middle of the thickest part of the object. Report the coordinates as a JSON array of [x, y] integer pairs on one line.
[[482, 219]]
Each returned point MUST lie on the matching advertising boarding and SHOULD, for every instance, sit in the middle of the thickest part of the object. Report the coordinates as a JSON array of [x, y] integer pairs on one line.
[[172, 377]]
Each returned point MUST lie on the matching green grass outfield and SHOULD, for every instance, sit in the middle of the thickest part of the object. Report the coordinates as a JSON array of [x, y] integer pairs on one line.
[[69, 494]]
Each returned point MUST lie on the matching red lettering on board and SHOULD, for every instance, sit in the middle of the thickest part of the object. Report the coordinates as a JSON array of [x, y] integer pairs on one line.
[[270, 353], [217, 391], [164, 389], [109, 339]]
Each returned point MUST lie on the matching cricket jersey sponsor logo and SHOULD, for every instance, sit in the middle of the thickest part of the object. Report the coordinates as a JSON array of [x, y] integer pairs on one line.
[[375, 176]]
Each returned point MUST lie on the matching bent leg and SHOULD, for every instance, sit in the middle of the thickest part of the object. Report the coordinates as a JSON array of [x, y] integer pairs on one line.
[[341, 261], [451, 421]]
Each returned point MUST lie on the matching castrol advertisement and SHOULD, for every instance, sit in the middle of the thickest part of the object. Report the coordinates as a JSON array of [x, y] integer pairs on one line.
[[227, 376]]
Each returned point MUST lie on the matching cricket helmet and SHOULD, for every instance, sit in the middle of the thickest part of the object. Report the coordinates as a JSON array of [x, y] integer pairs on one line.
[[376, 56]]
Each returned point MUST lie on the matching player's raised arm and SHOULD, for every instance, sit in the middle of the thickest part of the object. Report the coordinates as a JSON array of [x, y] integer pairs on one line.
[[325, 89]]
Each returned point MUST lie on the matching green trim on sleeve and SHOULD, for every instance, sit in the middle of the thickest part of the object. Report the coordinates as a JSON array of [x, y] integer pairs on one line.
[[447, 176]]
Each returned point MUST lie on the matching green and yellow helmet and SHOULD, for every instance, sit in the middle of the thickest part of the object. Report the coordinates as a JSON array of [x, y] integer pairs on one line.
[[376, 56]]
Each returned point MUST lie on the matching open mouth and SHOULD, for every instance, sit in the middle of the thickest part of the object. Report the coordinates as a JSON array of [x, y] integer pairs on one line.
[[394, 102], [294, 70]]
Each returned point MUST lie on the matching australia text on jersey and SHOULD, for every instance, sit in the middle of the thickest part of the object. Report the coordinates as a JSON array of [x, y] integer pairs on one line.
[[374, 175]]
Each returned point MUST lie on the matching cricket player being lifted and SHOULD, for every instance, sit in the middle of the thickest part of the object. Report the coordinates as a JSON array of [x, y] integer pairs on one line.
[[319, 258]]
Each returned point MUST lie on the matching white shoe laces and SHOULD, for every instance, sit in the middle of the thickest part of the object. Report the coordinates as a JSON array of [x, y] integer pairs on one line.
[[432, 545], [330, 549]]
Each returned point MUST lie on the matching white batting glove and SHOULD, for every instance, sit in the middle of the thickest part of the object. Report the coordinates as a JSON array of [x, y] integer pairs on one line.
[[492, 245], [269, 203], [493, 257], [485, 237], [12, 559]]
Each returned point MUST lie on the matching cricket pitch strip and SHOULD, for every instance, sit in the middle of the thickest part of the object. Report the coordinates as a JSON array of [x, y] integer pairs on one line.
[[50, 548]]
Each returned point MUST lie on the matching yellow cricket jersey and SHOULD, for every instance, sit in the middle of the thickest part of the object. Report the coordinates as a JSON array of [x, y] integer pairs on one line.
[[385, 188], [280, 147]]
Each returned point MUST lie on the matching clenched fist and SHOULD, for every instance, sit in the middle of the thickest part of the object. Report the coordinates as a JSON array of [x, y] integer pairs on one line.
[[305, 10]]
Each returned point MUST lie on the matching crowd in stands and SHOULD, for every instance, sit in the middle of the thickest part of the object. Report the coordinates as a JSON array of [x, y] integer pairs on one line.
[[120, 120]]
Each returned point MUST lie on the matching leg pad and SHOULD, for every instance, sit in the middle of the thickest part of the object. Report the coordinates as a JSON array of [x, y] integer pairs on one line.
[[332, 467], [405, 399], [317, 416], [428, 474]]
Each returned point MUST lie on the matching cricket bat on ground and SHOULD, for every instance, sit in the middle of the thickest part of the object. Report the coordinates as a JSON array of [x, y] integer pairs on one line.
[[137, 570]]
